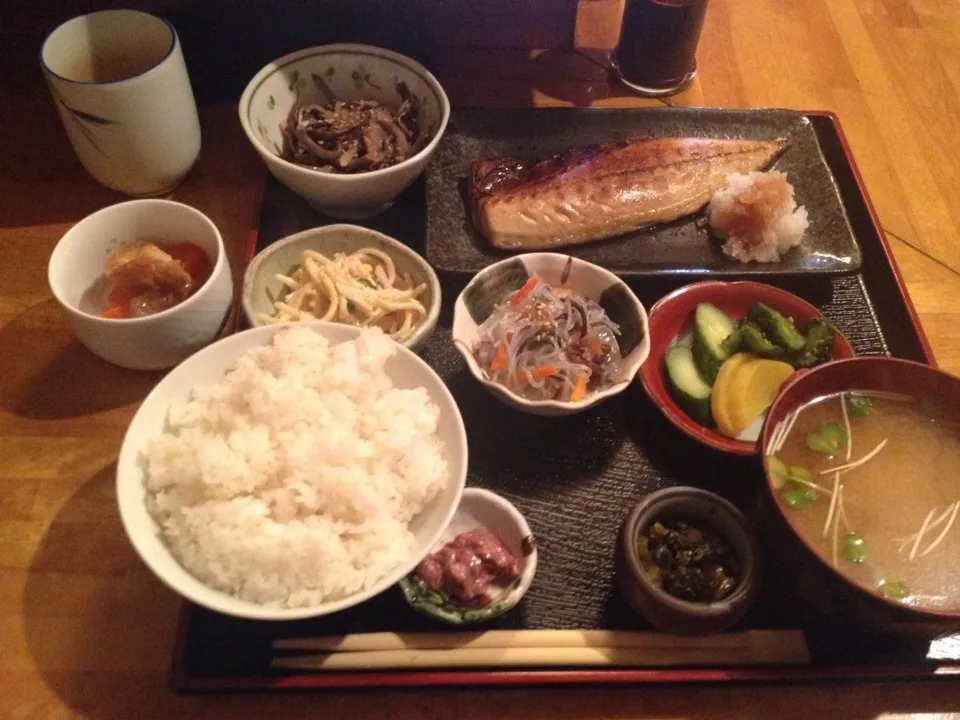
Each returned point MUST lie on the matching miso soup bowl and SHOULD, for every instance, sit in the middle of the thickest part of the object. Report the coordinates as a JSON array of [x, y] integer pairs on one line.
[[847, 605]]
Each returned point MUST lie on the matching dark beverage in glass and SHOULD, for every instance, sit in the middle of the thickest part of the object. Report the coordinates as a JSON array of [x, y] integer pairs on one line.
[[657, 51]]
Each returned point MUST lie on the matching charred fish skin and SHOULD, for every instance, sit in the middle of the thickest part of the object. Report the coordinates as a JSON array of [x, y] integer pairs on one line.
[[604, 190]]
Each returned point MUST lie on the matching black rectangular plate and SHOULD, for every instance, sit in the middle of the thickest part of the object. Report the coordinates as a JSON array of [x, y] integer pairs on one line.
[[574, 479], [683, 247]]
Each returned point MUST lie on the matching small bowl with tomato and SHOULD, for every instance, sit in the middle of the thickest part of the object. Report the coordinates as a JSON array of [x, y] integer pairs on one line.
[[144, 283], [721, 351]]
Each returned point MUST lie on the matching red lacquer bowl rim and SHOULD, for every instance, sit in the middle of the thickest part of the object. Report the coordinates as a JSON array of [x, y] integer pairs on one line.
[[686, 297], [818, 378]]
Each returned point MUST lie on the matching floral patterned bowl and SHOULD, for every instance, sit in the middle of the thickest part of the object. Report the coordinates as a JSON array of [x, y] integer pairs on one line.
[[496, 282], [351, 72]]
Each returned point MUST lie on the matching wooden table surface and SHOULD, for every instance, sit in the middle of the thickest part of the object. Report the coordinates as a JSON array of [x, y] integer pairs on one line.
[[85, 630]]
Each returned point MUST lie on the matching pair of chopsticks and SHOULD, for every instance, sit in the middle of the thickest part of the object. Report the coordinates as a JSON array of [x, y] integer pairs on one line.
[[533, 648]]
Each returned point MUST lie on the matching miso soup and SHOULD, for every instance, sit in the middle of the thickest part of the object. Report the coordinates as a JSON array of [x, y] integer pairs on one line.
[[871, 481]]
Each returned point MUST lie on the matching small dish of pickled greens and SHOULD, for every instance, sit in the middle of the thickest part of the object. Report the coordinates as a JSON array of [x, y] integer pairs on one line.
[[482, 566], [688, 560]]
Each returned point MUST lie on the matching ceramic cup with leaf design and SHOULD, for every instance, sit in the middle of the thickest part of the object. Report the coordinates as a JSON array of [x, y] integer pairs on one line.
[[121, 87], [328, 74]]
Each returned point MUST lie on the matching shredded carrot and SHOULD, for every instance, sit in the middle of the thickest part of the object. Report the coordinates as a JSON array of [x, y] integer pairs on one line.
[[596, 349], [544, 371], [499, 357], [580, 388], [528, 287], [525, 377]]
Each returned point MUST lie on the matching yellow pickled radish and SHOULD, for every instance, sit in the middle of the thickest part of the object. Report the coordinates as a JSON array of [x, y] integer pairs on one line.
[[720, 400], [753, 389]]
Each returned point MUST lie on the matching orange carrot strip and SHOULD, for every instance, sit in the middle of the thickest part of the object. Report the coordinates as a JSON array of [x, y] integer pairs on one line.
[[596, 349], [544, 371], [580, 388], [528, 287], [499, 357]]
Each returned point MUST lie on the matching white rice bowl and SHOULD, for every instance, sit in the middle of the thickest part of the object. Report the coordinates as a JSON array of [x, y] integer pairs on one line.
[[293, 471]]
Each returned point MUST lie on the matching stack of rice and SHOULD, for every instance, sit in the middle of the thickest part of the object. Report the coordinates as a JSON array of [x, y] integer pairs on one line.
[[294, 480]]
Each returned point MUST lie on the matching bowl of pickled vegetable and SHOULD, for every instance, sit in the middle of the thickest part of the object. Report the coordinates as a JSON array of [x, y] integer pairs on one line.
[[721, 351], [687, 561]]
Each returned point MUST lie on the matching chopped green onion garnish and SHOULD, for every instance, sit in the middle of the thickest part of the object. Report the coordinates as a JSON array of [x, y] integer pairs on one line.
[[829, 439], [895, 590], [779, 473], [799, 497], [858, 405], [854, 548], [800, 474]]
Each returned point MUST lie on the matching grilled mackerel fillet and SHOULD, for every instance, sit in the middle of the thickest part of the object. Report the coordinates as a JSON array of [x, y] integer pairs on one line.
[[604, 190]]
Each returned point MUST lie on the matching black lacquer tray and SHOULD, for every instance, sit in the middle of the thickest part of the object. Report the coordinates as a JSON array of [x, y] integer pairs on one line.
[[574, 478]]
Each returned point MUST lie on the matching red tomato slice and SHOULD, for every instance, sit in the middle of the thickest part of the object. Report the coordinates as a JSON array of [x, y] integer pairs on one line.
[[118, 303], [193, 259]]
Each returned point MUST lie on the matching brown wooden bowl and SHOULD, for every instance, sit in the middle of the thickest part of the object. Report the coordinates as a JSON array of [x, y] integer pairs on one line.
[[658, 607]]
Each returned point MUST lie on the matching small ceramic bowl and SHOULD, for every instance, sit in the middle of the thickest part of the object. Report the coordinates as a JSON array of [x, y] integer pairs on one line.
[[671, 320], [659, 608], [155, 342], [482, 509], [845, 602], [261, 286], [352, 72], [494, 283], [405, 369]]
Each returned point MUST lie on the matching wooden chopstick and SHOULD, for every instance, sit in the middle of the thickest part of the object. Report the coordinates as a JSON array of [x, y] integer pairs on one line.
[[515, 638], [521, 648]]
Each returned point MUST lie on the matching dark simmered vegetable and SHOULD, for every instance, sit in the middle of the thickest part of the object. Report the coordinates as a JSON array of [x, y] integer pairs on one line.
[[355, 136], [691, 563]]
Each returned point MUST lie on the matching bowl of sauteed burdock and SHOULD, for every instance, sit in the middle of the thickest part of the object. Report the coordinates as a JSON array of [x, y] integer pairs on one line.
[[347, 127], [861, 459], [144, 283], [687, 561], [721, 352], [550, 334]]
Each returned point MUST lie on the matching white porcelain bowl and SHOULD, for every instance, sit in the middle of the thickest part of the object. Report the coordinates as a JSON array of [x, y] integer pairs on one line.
[[157, 341], [352, 72], [496, 282], [261, 286], [405, 369]]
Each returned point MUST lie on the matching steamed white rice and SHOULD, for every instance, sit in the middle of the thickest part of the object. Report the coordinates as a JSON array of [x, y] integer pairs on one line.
[[757, 215], [293, 481]]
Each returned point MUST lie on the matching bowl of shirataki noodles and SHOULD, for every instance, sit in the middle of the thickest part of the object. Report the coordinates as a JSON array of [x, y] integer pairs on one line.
[[345, 274]]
